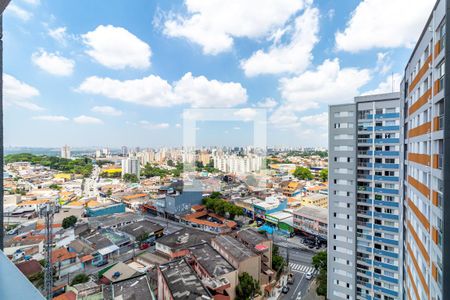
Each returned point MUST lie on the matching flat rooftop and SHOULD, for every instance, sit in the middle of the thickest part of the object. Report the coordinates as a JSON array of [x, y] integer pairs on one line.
[[136, 288], [313, 212], [211, 260], [182, 281], [251, 236], [185, 238], [233, 247], [109, 221], [141, 227]]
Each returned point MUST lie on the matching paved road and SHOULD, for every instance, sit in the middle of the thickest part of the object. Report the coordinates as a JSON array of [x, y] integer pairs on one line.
[[300, 263]]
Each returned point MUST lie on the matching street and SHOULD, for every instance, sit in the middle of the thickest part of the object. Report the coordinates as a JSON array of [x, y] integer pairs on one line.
[[300, 263]]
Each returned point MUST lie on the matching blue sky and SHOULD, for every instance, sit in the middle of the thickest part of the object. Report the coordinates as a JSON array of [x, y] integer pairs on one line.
[[112, 73]]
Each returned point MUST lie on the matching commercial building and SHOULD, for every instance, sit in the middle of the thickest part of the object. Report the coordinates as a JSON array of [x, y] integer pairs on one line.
[[312, 220], [425, 120], [270, 205], [365, 212]]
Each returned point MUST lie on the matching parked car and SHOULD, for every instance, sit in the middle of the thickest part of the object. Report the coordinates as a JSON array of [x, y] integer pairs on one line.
[[285, 289], [102, 263], [309, 275], [144, 246], [290, 279]]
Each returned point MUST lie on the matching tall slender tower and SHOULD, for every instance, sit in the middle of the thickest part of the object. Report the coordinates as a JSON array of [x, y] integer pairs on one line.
[[365, 211], [426, 107]]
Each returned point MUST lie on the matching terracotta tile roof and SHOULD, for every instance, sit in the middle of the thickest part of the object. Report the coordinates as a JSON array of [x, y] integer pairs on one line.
[[135, 196], [33, 202], [62, 254], [198, 207], [29, 268], [86, 258], [41, 226], [66, 296]]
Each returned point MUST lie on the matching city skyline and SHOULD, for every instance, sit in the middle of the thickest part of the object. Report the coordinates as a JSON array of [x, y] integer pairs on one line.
[[67, 78]]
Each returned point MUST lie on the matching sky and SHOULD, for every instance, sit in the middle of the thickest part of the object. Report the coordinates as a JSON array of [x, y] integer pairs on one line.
[[111, 73]]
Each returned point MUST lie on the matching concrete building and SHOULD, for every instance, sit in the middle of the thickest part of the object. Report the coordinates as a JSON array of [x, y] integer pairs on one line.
[[131, 166], [216, 273], [365, 213], [238, 164], [65, 152], [312, 220], [318, 200], [426, 240], [176, 244], [238, 255], [177, 280]]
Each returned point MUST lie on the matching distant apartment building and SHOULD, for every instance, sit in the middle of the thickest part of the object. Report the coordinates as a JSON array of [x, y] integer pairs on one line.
[[65, 152], [124, 151], [238, 164], [365, 211], [131, 166], [426, 178]]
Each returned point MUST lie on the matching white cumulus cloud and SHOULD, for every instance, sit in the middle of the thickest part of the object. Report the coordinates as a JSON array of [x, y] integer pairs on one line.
[[87, 120], [214, 24], [53, 63], [328, 84], [292, 57], [268, 103], [18, 93], [51, 118], [117, 48], [59, 34], [202, 92], [150, 91], [19, 12], [107, 110], [148, 125], [384, 24], [246, 114], [389, 85], [157, 92]]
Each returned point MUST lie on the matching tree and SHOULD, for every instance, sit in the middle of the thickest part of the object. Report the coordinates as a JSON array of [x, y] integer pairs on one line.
[[278, 261], [130, 178], [80, 278], [319, 262], [69, 222], [108, 193], [303, 173], [55, 187], [247, 287], [170, 163], [142, 237], [323, 174]]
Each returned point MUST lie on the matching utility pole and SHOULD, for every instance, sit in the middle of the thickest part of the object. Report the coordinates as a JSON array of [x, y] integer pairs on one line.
[[48, 212]]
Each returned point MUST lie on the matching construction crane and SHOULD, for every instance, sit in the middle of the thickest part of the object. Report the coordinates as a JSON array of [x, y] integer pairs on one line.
[[47, 212]]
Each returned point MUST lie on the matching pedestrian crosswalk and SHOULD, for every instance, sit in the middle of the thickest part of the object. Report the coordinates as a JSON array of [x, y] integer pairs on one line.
[[301, 268]]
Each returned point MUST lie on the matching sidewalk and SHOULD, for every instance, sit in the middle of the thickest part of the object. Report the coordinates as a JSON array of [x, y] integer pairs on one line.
[[311, 294], [276, 292]]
